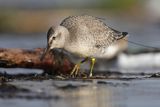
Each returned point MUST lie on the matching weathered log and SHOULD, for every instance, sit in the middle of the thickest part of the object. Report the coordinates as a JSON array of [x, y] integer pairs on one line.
[[21, 58]]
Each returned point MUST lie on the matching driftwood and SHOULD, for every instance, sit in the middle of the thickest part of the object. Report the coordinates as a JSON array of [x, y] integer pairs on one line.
[[20, 58]]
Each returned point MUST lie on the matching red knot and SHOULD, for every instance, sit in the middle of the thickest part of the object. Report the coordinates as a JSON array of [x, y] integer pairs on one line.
[[84, 35]]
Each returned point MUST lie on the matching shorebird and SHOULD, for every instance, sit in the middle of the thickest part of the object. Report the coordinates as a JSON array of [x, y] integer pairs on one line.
[[83, 35]]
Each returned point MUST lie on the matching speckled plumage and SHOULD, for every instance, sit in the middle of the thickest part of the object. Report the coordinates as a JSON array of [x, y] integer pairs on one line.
[[84, 35], [89, 34]]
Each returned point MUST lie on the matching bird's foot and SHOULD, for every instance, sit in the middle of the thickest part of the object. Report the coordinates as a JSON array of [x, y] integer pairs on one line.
[[75, 70], [90, 75]]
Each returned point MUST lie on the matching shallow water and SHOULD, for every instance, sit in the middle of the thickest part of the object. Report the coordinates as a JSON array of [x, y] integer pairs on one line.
[[94, 93], [143, 63], [25, 41], [137, 92]]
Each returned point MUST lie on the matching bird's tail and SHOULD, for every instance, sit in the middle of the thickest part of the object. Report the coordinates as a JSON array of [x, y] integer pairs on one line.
[[122, 35]]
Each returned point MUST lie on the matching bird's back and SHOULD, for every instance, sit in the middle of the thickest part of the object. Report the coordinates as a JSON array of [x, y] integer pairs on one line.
[[96, 27], [86, 25]]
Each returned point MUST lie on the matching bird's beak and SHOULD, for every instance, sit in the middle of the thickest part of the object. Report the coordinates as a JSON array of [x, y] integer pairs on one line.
[[44, 53]]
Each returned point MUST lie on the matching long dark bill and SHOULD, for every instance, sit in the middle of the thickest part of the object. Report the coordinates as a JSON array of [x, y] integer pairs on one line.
[[44, 53]]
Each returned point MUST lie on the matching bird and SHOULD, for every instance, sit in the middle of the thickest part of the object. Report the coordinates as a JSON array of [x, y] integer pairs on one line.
[[83, 35]]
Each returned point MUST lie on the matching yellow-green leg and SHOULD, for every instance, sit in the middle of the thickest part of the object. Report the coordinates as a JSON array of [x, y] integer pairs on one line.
[[77, 67], [93, 60]]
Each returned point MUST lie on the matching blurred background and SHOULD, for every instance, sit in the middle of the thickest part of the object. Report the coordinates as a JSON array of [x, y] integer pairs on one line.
[[141, 18], [24, 23]]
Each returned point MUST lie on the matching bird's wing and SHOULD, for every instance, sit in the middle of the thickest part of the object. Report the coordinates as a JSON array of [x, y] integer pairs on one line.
[[102, 34], [118, 35], [108, 36]]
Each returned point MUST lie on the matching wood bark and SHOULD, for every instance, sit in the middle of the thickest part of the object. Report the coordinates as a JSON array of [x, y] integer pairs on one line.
[[21, 58]]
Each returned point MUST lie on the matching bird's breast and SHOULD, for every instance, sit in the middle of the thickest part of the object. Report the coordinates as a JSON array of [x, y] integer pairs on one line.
[[78, 49]]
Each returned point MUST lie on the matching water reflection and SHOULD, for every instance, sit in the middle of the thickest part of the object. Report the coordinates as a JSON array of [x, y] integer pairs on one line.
[[90, 96], [137, 93], [109, 93]]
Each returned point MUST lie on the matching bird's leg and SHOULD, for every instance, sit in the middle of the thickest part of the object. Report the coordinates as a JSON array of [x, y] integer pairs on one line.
[[77, 67], [93, 60]]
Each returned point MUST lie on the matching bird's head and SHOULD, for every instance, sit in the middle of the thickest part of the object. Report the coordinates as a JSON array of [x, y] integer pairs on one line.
[[56, 37]]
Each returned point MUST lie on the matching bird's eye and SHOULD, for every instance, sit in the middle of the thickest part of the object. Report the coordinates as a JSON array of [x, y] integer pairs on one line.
[[53, 38]]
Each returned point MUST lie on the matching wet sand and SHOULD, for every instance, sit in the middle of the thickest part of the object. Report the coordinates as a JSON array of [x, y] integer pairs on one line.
[[53, 91], [110, 89]]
